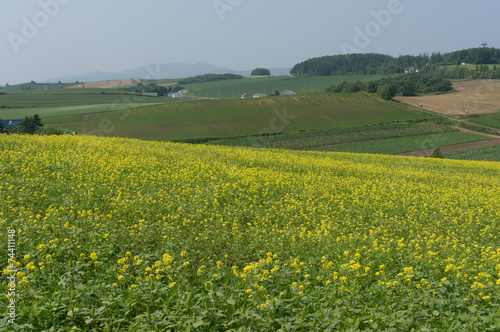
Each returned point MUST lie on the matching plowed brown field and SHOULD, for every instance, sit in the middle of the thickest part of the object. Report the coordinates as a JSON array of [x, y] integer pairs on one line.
[[470, 98]]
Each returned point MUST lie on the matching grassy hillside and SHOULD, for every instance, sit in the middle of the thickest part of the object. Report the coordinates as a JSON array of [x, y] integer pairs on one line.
[[68, 105], [268, 85], [118, 235], [225, 118]]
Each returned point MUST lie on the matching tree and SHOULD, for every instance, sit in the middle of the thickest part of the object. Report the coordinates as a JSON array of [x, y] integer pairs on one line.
[[260, 72], [386, 91], [2, 126], [30, 124], [371, 87], [436, 154]]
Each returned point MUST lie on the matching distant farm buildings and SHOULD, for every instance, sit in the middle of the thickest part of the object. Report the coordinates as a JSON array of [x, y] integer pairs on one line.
[[288, 92], [409, 70], [259, 95], [245, 96]]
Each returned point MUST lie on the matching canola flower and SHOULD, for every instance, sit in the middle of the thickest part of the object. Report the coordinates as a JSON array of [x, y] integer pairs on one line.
[[279, 232]]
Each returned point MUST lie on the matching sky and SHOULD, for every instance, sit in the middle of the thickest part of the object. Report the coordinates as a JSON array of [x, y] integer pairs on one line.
[[43, 39]]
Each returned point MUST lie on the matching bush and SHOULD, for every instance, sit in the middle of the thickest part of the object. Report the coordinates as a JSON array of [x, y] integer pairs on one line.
[[436, 154]]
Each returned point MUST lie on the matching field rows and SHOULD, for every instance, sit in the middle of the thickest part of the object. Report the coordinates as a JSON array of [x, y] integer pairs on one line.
[[119, 235], [227, 118]]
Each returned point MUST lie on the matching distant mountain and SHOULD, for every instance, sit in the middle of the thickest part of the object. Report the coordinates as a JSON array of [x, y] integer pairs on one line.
[[161, 71]]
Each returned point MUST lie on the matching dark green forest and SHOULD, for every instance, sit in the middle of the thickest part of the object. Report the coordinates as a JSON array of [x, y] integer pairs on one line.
[[210, 78], [379, 64]]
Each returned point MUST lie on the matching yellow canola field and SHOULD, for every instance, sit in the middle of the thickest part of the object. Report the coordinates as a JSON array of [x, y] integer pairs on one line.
[[120, 234]]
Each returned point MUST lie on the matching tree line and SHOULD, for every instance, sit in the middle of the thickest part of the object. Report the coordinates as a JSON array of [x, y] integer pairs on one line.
[[210, 78], [422, 82], [379, 64], [153, 88]]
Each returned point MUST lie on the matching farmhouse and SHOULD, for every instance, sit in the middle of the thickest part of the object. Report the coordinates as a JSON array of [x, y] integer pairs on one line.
[[409, 70], [259, 95], [288, 92], [245, 95]]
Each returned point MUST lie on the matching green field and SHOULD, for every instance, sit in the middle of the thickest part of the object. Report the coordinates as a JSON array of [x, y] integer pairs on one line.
[[37, 86], [229, 118], [312, 140], [406, 144], [470, 66], [491, 120], [68, 105], [268, 85], [485, 153]]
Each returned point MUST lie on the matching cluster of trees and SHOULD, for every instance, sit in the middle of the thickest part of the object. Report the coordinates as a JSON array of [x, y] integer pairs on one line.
[[475, 56], [261, 72], [153, 88], [427, 81], [29, 125], [358, 64], [379, 64], [210, 78]]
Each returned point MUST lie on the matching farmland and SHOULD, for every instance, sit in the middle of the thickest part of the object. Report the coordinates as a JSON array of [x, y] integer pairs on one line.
[[231, 89], [115, 234], [229, 118], [478, 97], [406, 144], [69, 105], [491, 120], [486, 153]]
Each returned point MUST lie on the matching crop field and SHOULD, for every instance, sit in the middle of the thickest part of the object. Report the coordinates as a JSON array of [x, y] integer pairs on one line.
[[111, 234], [227, 118], [477, 97], [69, 105], [492, 120], [490, 153], [268, 85], [324, 138], [406, 144]]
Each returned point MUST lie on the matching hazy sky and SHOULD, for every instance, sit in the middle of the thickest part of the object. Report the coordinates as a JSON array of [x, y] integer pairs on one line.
[[43, 39]]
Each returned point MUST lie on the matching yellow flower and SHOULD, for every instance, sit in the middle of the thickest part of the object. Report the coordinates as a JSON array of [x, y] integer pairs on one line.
[[93, 256], [172, 284], [186, 264], [120, 277], [167, 259]]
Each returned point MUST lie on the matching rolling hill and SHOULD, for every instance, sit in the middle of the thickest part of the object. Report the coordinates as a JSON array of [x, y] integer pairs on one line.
[[227, 118]]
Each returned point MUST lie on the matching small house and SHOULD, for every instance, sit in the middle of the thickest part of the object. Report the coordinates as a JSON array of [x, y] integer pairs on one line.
[[245, 95], [259, 95], [409, 70], [288, 92], [178, 94]]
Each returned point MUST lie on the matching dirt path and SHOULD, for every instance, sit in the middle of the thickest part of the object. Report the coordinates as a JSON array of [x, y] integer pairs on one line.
[[451, 148]]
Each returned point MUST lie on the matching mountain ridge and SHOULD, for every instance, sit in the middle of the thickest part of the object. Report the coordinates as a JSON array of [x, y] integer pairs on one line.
[[160, 71]]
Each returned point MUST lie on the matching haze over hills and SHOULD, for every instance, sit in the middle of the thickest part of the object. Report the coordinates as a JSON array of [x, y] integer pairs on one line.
[[161, 71]]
